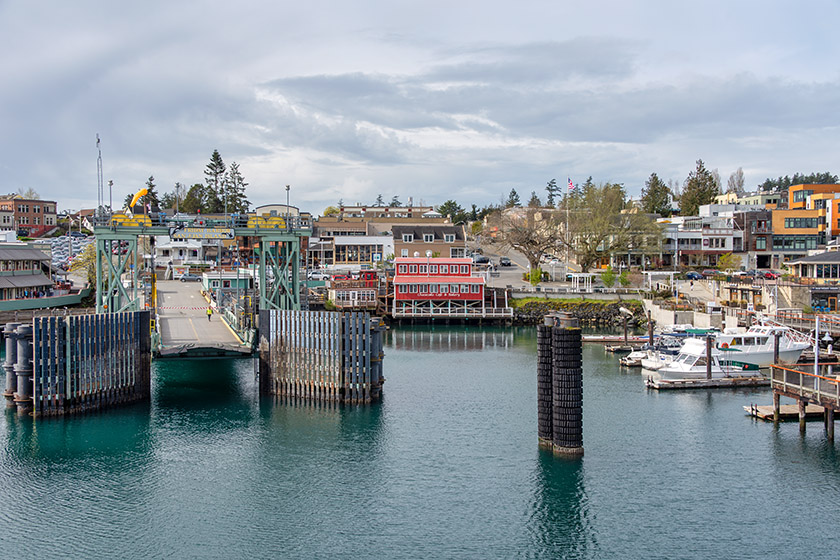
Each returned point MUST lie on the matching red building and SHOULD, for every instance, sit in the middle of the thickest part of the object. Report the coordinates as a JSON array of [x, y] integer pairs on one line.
[[445, 287]]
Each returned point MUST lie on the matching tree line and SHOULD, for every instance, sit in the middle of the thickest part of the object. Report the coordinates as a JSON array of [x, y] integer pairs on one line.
[[223, 190]]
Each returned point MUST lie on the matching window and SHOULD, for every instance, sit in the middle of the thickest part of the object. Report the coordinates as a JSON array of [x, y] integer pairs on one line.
[[225, 283], [413, 288], [412, 269], [444, 269], [465, 288], [760, 243], [422, 269], [402, 269], [36, 209], [444, 288], [475, 288], [453, 288], [424, 288], [403, 289], [433, 269], [465, 269], [404, 253], [408, 237], [449, 237], [457, 252], [428, 237]]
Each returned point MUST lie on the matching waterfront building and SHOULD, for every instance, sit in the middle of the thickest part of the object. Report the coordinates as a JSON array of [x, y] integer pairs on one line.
[[437, 287], [22, 272], [30, 217]]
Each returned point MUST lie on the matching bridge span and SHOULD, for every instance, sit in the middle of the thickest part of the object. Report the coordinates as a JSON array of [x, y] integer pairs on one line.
[[184, 329]]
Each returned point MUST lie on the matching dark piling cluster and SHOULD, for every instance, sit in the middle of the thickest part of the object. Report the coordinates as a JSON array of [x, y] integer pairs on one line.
[[560, 385]]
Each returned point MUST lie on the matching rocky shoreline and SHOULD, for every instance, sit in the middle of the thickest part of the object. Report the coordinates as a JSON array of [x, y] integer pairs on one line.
[[598, 314]]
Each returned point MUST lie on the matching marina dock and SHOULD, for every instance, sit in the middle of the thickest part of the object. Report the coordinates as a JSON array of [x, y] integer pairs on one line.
[[653, 382], [787, 412]]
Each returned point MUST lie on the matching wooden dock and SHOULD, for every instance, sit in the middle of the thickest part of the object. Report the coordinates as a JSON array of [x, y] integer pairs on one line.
[[787, 412], [721, 383]]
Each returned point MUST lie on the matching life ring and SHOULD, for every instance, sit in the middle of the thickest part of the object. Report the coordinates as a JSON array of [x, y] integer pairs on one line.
[[724, 345]]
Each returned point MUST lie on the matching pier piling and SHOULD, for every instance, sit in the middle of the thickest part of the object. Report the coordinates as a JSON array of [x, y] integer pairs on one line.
[[23, 370], [560, 375], [10, 332]]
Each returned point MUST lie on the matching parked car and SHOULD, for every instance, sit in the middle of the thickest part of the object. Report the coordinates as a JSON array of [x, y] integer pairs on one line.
[[190, 277], [709, 272], [317, 275], [693, 275], [770, 275], [504, 261], [481, 259]]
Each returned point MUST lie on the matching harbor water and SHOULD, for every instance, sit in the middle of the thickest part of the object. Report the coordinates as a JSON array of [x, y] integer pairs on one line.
[[447, 466]]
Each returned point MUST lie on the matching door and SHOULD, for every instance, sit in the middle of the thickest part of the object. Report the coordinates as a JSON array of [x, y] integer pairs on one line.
[[832, 303]]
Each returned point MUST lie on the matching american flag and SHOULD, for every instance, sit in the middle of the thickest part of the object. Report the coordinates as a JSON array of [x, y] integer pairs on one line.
[[571, 185]]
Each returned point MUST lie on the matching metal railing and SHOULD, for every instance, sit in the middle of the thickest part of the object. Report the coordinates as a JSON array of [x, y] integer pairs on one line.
[[823, 387], [490, 313]]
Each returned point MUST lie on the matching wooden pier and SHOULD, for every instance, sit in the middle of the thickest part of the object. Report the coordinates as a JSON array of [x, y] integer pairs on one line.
[[64, 365], [808, 384], [321, 355]]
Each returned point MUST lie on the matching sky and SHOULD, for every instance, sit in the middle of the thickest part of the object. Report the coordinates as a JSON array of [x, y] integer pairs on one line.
[[424, 100]]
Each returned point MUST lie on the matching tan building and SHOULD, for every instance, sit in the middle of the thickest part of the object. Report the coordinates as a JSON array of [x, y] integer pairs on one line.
[[30, 216], [443, 240]]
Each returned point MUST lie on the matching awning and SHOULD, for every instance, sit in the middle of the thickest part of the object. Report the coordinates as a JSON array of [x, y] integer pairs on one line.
[[25, 281]]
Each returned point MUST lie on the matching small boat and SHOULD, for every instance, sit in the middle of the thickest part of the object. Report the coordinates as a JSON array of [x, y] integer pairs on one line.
[[619, 348], [633, 359], [692, 363]]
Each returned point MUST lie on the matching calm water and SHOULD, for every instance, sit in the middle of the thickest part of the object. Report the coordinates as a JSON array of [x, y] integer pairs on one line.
[[446, 467]]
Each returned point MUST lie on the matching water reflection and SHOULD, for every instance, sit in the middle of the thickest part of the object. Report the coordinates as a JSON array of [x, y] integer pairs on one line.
[[454, 339], [560, 523]]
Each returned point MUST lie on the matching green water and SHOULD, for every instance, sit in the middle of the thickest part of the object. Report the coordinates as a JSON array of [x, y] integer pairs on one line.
[[447, 466]]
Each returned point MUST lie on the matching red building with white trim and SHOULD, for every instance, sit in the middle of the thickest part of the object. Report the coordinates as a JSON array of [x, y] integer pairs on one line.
[[441, 287]]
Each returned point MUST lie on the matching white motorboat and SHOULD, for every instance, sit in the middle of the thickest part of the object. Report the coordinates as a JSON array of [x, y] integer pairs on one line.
[[755, 346], [692, 363]]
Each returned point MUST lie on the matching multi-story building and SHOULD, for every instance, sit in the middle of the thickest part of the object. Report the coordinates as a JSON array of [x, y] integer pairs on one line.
[[437, 240], [437, 287], [409, 211], [756, 226], [22, 272], [30, 216], [699, 241]]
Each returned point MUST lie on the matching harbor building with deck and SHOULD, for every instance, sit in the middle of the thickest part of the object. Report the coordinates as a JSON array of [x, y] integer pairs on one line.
[[441, 287]]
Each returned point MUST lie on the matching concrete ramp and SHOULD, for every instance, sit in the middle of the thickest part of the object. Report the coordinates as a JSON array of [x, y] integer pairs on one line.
[[184, 329]]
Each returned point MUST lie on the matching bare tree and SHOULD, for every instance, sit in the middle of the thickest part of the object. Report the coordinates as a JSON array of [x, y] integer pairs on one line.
[[530, 231], [736, 182]]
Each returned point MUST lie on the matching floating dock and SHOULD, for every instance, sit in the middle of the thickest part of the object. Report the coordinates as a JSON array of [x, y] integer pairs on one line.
[[723, 382], [787, 412]]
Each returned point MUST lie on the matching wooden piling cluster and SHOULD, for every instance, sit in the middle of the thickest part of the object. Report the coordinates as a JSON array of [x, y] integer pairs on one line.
[[74, 364], [321, 356], [560, 385]]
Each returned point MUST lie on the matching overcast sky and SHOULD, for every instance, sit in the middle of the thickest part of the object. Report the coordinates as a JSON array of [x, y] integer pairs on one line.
[[430, 100]]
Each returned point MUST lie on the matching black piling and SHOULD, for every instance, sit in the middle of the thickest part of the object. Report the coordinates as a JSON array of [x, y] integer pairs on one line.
[[545, 360], [560, 341]]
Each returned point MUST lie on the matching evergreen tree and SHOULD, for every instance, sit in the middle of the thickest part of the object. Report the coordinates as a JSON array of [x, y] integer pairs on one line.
[[553, 193], [513, 199], [534, 201], [194, 200], [151, 197], [656, 197], [214, 178], [700, 188], [451, 210], [395, 202], [782, 183], [474, 213], [379, 201], [235, 200]]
